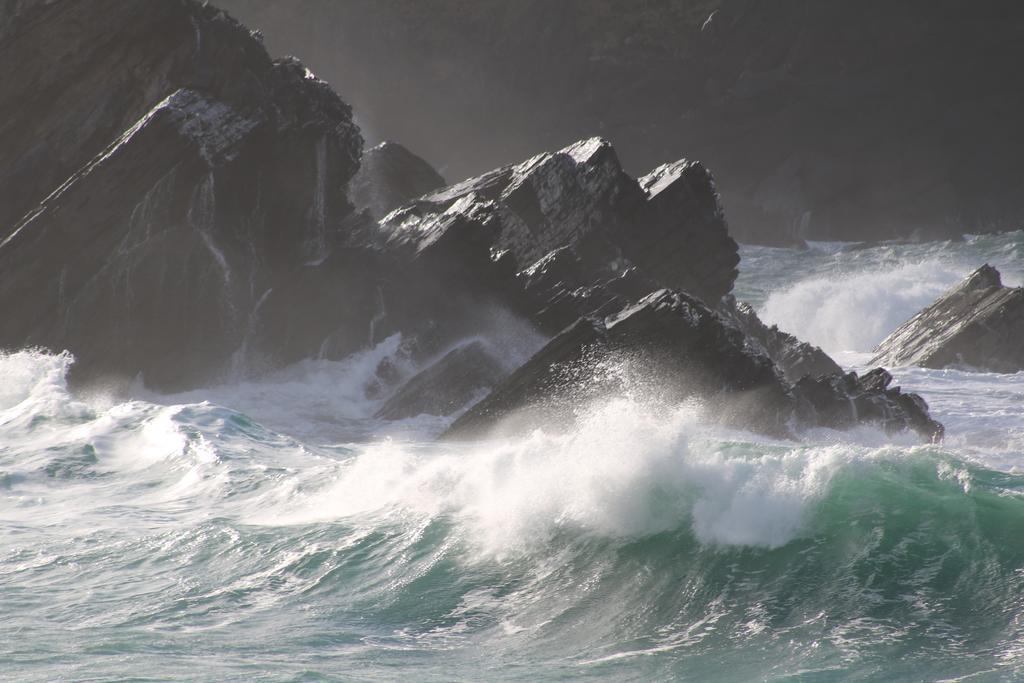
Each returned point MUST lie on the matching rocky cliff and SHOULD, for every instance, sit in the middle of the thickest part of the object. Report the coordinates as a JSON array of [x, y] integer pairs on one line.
[[179, 213], [163, 179]]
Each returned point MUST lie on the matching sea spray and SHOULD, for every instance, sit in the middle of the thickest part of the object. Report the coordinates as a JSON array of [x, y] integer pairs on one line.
[[847, 298], [272, 529], [855, 312], [635, 545]]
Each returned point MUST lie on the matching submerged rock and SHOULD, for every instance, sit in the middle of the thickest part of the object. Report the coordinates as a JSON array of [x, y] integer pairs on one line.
[[978, 324], [390, 176]]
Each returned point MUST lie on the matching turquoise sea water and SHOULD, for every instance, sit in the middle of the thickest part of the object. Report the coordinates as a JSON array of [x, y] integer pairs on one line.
[[272, 530]]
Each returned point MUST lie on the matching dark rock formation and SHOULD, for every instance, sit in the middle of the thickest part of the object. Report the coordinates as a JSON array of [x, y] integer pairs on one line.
[[445, 387], [172, 179], [175, 207], [978, 324], [390, 176], [671, 346], [669, 224], [668, 345], [842, 401], [824, 119], [793, 357], [559, 236], [569, 241]]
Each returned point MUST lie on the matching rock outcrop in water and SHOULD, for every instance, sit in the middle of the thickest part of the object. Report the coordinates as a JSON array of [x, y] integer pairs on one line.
[[600, 248], [559, 236], [842, 401], [673, 347], [978, 324], [668, 344], [190, 218]]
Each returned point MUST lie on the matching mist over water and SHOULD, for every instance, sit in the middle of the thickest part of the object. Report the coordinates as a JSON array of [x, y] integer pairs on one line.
[[849, 297], [273, 530]]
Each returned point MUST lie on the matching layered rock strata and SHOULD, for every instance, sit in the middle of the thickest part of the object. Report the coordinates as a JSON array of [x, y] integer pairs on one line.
[[164, 181], [794, 358], [978, 324]]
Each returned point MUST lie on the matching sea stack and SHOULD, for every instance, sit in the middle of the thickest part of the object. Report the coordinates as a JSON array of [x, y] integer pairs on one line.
[[977, 324]]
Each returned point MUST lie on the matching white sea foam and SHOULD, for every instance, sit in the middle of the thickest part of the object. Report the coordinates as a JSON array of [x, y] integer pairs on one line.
[[622, 472], [170, 527], [316, 399], [847, 298], [854, 312]]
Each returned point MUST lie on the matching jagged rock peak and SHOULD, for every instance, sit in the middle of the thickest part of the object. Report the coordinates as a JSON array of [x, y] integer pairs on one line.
[[986, 277], [670, 226]]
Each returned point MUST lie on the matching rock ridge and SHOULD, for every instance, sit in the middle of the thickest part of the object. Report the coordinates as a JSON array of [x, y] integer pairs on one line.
[[977, 324]]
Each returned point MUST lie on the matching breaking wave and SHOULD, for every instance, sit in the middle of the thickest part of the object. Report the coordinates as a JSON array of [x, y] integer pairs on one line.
[[847, 298], [144, 535], [856, 311]]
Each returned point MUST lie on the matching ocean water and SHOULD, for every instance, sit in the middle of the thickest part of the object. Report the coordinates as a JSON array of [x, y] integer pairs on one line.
[[272, 530]]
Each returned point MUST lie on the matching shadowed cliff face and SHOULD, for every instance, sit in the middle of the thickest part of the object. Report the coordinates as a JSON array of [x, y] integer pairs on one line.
[[821, 119], [166, 188]]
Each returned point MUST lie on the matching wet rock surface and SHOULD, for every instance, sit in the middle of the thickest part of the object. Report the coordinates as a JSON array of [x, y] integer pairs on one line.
[[192, 223], [674, 347], [841, 401], [447, 385], [978, 324], [794, 358]]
